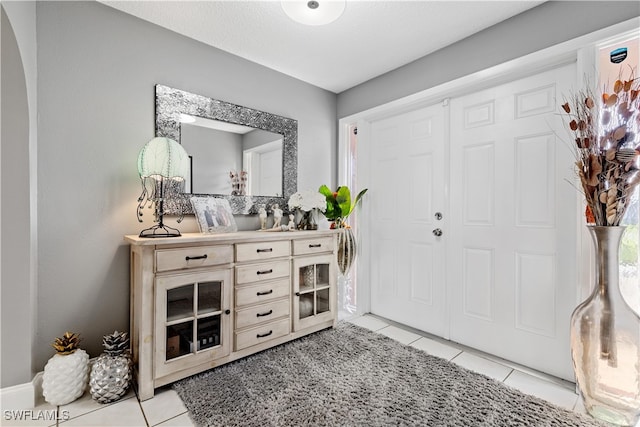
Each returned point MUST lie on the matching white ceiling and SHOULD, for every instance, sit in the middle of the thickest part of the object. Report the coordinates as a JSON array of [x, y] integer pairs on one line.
[[369, 39]]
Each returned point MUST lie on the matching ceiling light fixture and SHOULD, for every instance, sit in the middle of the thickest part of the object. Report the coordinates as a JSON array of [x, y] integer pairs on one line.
[[314, 12]]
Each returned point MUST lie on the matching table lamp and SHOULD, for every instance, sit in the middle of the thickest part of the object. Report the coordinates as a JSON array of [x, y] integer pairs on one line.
[[162, 165]]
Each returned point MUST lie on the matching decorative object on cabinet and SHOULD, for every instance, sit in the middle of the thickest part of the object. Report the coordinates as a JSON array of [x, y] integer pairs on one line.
[[262, 214], [162, 165], [277, 216], [347, 249], [172, 103], [67, 372], [339, 207], [203, 300], [213, 215], [605, 331], [306, 205], [111, 375]]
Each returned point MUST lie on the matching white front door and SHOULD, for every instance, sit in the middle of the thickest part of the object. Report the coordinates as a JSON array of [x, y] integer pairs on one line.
[[507, 285], [407, 179], [513, 232]]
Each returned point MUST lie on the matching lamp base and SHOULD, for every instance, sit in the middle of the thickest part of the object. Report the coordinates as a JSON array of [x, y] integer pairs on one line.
[[160, 231]]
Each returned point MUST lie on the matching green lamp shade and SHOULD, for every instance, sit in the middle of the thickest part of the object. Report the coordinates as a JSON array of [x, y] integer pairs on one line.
[[163, 157]]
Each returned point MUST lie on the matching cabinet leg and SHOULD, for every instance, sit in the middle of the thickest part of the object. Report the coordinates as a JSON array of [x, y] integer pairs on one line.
[[145, 392]]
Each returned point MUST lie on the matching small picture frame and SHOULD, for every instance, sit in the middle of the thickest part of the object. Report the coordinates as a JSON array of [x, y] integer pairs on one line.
[[213, 215]]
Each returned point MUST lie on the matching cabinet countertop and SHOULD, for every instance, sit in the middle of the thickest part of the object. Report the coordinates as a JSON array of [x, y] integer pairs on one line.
[[239, 236]]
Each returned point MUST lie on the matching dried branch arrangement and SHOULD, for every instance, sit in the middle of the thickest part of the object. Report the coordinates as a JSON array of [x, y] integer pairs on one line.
[[606, 130]]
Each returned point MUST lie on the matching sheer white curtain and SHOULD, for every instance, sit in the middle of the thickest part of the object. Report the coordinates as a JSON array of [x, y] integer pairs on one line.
[[347, 285], [609, 70]]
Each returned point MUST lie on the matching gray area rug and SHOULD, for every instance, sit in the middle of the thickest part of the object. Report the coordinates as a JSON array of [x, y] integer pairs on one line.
[[350, 376]]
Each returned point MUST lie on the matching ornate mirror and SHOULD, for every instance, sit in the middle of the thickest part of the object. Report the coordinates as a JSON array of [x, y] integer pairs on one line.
[[246, 156]]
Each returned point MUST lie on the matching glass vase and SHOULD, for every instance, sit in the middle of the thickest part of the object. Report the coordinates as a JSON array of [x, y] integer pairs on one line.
[[306, 220], [346, 246], [605, 339]]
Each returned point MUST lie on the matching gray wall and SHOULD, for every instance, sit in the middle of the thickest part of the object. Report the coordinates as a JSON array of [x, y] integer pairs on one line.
[[17, 251], [258, 137], [97, 70], [549, 24]]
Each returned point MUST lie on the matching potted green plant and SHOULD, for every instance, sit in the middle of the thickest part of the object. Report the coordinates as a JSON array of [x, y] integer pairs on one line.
[[339, 207], [339, 204]]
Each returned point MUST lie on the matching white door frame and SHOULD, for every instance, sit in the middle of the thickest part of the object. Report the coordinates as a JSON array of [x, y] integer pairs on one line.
[[249, 158], [581, 49]]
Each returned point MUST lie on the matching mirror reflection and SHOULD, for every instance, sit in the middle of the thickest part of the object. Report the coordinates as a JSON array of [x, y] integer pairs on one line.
[[231, 159], [259, 169]]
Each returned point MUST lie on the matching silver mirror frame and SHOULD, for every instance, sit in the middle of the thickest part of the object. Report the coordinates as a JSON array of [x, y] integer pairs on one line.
[[170, 103]]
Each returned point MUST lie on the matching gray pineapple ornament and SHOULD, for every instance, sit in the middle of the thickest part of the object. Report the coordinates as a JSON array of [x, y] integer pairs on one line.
[[111, 372]]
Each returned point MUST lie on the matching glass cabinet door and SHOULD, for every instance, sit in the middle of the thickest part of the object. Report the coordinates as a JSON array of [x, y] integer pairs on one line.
[[209, 314], [192, 319], [314, 287]]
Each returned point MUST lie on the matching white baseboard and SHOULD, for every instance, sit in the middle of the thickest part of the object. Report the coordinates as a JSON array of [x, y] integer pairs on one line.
[[28, 395], [22, 396]]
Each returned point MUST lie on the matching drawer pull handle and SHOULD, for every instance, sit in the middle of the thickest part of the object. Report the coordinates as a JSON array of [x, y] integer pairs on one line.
[[317, 245], [189, 258], [264, 314], [264, 335], [270, 291], [269, 271], [265, 250]]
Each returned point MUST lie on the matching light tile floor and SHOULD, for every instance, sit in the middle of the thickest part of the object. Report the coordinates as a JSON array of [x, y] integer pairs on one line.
[[166, 408]]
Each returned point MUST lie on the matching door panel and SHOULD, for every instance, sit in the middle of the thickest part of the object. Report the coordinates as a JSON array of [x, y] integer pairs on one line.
[[270, 179], [511, 249], [407, 188]]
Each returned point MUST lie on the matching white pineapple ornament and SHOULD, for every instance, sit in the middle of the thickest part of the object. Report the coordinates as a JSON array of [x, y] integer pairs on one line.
[[111, 372], [67, 372]]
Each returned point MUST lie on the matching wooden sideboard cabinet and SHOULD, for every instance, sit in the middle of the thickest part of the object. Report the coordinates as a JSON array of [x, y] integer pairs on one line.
[[203, 300]]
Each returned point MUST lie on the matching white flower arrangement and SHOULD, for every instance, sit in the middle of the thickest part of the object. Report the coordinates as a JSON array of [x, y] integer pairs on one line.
[[307, 200]]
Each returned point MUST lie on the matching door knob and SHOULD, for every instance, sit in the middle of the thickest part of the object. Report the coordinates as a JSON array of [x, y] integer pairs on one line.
[[437, 232]]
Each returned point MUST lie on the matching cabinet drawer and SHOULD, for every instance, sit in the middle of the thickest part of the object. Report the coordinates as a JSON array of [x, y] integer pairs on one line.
[[262, 333], [264, 271], [262, 250], [312, 246], [263, 292], [200, 256], [262, 313]]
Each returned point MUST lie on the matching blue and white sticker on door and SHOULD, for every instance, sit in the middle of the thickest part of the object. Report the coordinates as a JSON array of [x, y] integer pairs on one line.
[[618, 61], [618, 55]]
